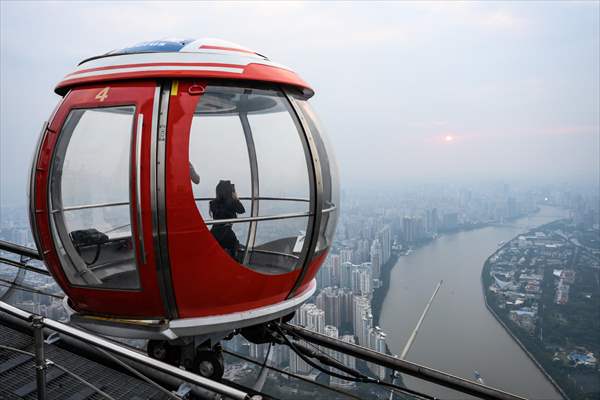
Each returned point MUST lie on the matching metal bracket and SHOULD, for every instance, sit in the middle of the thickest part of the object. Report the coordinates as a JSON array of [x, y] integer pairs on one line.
[[52, 338], [183, 390]]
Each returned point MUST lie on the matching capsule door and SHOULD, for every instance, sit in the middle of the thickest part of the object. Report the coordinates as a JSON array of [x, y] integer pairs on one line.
[[239, 194], [93, 200]]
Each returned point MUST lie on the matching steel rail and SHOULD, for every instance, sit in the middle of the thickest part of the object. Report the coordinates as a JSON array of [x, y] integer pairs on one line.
[[20, 250], [128, 353], [24, 266], [275, 253], [88, 206], [250, 219], [403, 366], [16, 286], [297, 199]]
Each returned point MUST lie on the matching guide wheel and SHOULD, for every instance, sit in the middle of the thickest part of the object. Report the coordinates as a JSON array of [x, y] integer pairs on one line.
[[163, 351], [209, 363]]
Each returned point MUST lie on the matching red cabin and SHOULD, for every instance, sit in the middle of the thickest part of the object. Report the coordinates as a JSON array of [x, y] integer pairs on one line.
[[183, 188]]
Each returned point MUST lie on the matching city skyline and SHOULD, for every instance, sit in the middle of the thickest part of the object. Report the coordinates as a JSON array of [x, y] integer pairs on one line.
[[374, 236]]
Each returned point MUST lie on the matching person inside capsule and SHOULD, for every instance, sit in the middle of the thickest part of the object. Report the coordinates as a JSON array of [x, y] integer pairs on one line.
[[226, 205]]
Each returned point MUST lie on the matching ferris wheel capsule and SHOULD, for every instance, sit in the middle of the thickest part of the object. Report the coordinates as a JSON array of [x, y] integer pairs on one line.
[[183, 188]]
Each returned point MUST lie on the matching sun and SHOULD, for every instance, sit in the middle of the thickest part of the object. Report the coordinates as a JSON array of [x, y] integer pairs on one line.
[[449, 138]]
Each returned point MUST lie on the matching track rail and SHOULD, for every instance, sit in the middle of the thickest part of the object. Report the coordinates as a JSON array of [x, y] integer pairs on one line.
[[20, 250], [403, 366]]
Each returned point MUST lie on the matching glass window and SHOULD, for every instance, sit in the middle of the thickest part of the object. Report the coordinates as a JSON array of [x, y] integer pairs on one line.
[[90, 198], [281, 160], [247, 151], [331, 189]]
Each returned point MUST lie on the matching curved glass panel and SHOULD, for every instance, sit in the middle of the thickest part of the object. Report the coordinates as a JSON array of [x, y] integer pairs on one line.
[[90, 198], [248, 154], [329, 170]]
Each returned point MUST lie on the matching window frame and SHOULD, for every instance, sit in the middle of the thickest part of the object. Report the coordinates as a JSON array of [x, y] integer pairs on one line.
[[66, 251], [311, 158]]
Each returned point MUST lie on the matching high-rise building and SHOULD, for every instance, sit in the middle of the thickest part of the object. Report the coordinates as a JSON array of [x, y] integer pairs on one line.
[[329, 274], [346, 255], [366, 324], [431, 221], [377, 343], [346, 305], [323, 274], [346, 275], [280, 355], [312, 318], [335, 270], [348, 361], [329, 300], [408, 230], [362, 251], [419, 228], [361, 317], [385, 239], [450, 221], [413, 229], [376, 258], [362, 279], [366, 282]]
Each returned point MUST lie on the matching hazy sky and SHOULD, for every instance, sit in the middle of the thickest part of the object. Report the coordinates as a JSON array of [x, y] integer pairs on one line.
[[515, 85]]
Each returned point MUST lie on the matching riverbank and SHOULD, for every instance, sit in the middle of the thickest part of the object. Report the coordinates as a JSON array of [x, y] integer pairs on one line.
[[531, 356], [380, 293], [485, 282]]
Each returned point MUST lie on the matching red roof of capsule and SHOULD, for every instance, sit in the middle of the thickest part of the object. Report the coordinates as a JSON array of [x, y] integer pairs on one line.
[[174, 58]]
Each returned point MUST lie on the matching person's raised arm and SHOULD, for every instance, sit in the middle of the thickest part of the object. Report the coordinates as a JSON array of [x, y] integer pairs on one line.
[[237, 204], [194, 175]]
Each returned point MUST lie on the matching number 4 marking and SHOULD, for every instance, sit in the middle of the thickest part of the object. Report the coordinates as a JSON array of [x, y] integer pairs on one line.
[[103, 94]]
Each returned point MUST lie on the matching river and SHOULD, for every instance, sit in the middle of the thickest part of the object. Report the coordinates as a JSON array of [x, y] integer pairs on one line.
[[459, 335]]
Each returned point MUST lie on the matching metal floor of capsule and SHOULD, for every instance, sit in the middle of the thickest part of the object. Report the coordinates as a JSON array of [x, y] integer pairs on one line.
[[17, 374]]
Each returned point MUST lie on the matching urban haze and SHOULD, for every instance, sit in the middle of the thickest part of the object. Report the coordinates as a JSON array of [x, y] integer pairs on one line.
[[467, 138]]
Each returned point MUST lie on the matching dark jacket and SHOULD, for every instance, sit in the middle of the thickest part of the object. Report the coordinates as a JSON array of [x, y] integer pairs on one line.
[[223, 233]]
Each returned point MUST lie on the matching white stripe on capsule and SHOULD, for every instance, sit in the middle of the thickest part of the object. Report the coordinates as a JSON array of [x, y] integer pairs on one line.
[[153, 68]]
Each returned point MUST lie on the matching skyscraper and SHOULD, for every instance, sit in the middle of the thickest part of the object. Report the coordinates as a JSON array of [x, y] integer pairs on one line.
[[377, 343], [342, 358], [335, 270], [376, 258], [346, 255], [385, 239], [346, 275], [312, 318], [450, 221], [431, 221], [361, 279], [361, 317], [408, 230], [329, 300], [346, 306]]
